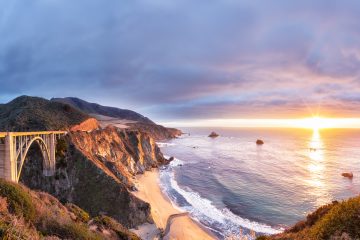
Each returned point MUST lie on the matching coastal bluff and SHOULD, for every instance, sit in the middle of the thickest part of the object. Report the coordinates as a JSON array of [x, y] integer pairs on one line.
[[95, 166]]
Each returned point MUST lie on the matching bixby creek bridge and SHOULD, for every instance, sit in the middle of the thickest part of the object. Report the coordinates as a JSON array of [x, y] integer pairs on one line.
[[14, 147]]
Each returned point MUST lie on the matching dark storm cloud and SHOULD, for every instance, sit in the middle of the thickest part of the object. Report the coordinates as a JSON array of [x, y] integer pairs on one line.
[[188, 59]]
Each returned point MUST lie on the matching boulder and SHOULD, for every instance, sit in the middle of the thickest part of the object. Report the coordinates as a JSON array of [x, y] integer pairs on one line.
[[348, 175], [259, 142], [213, 135]]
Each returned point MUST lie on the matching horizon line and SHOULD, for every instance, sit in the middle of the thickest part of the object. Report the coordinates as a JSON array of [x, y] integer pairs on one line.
[[307, 123]]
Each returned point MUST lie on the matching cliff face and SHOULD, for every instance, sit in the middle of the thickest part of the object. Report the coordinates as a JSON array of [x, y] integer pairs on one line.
[[95, 171], [94, 167], [87, 125], [158, 132], [124, 153], [27, 214]]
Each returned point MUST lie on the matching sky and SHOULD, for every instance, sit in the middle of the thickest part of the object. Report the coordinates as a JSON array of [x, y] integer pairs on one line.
[[186, 60]]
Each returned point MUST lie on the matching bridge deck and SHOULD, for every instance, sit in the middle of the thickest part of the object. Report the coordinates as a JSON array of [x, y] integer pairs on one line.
[[16, 134]]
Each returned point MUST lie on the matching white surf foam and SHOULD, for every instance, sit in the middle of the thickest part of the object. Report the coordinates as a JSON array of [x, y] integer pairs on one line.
[[202, 208], [174, 163], [165, 144]]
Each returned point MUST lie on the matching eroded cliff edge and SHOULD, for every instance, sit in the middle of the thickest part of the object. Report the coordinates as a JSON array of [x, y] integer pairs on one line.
[[95, 166], [95, 171]]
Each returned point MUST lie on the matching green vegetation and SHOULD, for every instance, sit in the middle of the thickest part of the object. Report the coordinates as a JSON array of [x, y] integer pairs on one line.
[[338, 220], [18, 115], [69, 230], [61, 148], [119, 229], [78, 212], [18, 199], [341, 218], [25, 214]]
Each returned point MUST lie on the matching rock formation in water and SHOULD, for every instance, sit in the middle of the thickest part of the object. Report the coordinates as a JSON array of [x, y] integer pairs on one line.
[[213, 135], [259, 142], [348, 175]]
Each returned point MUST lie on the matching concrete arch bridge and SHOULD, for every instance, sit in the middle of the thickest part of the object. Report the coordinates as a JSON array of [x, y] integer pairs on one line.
[[14, 147]]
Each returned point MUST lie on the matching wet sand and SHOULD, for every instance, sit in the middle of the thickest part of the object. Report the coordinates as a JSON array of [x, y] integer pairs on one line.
[[176, 224]]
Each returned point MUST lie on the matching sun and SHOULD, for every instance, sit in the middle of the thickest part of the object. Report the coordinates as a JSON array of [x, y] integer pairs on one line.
[[315, 123]]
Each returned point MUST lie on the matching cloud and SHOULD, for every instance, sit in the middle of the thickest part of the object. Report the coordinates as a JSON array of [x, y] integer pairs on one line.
[[185, 59]]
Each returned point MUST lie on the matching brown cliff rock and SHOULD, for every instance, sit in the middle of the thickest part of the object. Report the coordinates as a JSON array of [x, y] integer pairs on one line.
[[87, 125], [95, 170]]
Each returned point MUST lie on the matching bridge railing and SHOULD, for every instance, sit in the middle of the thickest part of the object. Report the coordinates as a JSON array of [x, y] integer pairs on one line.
[[18, 134]]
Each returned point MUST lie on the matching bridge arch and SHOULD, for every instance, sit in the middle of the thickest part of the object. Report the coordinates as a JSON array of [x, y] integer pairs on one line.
[[14, 147], [23, 151]]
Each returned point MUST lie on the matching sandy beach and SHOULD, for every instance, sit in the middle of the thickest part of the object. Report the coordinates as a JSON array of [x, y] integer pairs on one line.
[[180, 225]]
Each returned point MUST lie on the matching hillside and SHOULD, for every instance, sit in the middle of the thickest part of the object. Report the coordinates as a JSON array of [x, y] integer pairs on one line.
[[97, 109], [95, 171], [32, 114], [335, 221], [95, 168], [26, 214], [121, 118]]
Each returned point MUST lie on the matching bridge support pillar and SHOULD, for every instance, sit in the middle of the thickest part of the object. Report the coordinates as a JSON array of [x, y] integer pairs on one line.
[[50, 170], [10, 159]]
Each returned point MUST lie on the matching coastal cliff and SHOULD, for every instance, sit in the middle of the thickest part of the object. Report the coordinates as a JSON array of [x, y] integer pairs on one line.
[[121, 118], [95, 166], [95, 170], [27, 214]]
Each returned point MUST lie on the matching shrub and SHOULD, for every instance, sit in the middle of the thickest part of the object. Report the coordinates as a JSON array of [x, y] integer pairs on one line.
[[79, 213], [342, 218], [61, 148], [18, 199], [15, 228], [120, 230], [68, 230]]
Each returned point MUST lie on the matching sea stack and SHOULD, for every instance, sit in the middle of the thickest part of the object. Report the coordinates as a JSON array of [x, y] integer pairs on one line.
[[213, 135], [259, 142], [348, 175]]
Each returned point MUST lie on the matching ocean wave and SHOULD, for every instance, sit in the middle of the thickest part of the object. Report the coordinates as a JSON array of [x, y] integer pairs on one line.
[[165, 144], [174, 163], [203, 210]]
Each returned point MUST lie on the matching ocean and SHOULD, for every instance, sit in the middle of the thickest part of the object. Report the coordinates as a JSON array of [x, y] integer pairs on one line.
[[236, 188]]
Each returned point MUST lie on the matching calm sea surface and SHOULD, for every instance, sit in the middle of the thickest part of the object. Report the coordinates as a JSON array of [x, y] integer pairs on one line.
[[232, 186]]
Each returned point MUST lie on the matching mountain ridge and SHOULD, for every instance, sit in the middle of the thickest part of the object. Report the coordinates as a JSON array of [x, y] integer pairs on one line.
[[95, 108], [27, 113], [122, 118]]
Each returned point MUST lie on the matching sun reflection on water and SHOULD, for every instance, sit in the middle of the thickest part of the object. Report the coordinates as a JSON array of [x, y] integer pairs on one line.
[[316, 168]]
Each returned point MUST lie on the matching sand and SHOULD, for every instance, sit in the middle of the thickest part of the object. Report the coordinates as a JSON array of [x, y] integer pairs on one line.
[[181, 226]]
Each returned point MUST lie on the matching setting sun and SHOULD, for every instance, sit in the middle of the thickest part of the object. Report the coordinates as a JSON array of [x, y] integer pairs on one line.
[[321, 123], [317, 123]]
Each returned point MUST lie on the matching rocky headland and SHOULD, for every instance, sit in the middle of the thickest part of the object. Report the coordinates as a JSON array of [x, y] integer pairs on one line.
[[121, 118], [95, 167], [93, 193]]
